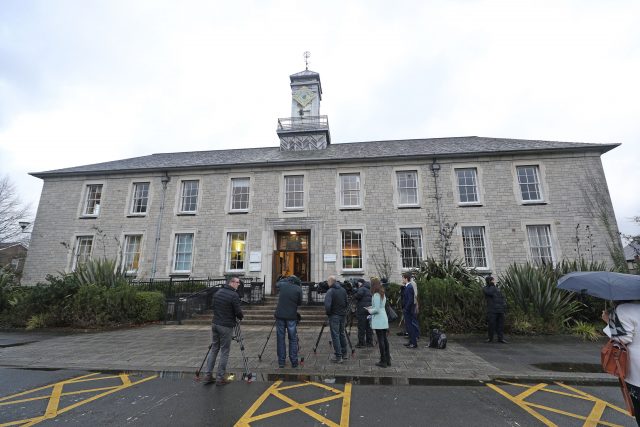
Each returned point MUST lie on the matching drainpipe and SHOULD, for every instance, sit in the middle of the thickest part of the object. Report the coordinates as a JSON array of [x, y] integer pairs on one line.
[[164, 180], [435, 171]]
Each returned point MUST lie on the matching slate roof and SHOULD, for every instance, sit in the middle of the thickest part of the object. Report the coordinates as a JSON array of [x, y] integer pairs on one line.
[[456, 147], [631, 250]]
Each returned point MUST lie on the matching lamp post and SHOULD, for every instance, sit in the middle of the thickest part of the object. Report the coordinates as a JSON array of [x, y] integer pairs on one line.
[[435, 172]]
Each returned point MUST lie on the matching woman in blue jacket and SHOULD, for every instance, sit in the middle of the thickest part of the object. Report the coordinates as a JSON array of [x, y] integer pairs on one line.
[[379, 321]]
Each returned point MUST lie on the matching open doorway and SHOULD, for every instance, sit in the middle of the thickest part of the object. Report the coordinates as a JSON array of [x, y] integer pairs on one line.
[[291, 255]]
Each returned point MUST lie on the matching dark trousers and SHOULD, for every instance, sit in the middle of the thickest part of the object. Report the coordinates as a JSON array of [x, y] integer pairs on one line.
[[338, 335], [383, 345], [291, 330], [365, 333], [496, 325], [411, 323], [221, 342], [634, 392]]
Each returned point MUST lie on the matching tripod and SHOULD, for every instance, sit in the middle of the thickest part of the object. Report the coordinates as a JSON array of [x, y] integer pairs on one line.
[[267, 341], [237, 336], [324, 325]]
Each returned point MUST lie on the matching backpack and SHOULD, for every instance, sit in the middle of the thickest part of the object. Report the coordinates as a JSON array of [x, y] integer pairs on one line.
[[438, 339]]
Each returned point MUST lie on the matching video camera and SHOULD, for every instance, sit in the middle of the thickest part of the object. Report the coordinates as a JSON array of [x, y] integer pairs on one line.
[[349, 286]]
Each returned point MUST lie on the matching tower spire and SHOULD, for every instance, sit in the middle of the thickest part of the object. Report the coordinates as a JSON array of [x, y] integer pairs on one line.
[[306, 55]]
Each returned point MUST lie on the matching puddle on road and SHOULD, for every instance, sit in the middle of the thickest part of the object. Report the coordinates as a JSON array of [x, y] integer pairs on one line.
[[17, 344], [570, 367], [38, 369]]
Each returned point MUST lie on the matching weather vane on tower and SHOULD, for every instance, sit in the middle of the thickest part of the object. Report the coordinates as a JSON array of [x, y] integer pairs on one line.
[[306, 55]]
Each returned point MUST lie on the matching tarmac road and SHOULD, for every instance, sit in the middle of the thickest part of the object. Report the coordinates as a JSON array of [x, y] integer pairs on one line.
[[72, 397]]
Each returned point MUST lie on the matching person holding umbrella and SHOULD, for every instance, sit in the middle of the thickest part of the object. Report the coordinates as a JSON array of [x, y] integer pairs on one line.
[[623, 325], [623, 321]]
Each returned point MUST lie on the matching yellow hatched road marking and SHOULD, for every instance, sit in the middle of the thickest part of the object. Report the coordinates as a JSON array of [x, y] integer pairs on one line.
[[53, 406], [591, 420], [275, 391]]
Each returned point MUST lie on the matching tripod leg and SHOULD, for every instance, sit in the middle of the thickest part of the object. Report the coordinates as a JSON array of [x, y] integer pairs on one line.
[[315, 347], [349, 341], [203, 360], [238, 336], [268, 337]]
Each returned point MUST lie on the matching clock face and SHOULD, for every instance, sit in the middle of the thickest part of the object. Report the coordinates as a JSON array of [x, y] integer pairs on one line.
[[304, 96]]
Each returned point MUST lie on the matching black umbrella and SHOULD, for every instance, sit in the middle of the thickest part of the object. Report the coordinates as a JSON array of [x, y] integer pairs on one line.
[[603, 284]]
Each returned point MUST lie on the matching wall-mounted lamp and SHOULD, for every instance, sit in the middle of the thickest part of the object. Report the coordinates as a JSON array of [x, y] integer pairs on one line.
[[435, 167], [24, 225]]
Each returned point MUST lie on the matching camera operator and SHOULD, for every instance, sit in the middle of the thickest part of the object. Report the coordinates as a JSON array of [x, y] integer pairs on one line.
[[363, 300], [289, 298], [335, 305]]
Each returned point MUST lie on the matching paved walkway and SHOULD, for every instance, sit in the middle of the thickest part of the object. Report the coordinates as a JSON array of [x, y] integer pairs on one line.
[[177, 348]]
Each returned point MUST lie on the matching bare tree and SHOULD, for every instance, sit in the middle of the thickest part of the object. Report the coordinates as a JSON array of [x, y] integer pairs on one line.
[[12, 211]]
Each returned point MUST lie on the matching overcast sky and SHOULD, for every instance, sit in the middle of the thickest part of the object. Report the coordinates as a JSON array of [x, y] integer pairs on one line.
[[90, 81]]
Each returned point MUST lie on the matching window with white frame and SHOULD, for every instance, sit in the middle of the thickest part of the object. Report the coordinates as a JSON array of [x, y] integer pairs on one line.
[[352, 249], [529, 182], [15, 263], [183, 253], [540, 244], [140, 198], [239, 194], [82, 251], [467, 185], [131, 253], [475, 249], [92, 200], [411, 247], [294, 192], [236, 251], [350, 190], [407, 182], [189, 196]]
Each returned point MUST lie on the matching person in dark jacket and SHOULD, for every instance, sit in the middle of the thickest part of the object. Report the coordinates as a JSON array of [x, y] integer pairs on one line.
[[409, 310], [226, 309], [289, 298], [495, 310], [363, 300], [335, 305]]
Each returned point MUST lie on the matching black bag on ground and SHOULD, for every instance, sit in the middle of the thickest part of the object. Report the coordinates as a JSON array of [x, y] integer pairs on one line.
[[438, 339]]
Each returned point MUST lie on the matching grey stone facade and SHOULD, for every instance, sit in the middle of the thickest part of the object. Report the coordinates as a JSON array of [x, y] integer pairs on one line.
[[564, 176]]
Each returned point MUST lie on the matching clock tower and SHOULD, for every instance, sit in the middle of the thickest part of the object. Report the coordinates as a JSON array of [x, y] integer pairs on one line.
[[306, 129]]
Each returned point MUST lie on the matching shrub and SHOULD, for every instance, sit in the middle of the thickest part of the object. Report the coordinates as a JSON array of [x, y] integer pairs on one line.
[[587, 331], [455, 269], [7, 282], [446, 303], [533, 291], [150, 306], [104, 272], [37, 321]]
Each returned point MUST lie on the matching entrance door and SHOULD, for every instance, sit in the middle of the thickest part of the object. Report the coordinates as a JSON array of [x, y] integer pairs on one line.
[[291, 255]]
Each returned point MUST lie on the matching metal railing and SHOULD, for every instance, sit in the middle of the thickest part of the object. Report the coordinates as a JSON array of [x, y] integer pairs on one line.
[[186, 297], [303, 123], [310, 294]]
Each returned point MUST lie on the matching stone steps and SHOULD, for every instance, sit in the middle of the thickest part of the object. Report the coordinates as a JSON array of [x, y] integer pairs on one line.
[[262, 314]]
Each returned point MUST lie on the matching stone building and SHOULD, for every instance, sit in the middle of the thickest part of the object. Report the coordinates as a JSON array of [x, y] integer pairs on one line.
[[12, 256], [314, 208]]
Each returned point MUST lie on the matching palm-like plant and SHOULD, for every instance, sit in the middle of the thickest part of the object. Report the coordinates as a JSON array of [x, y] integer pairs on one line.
[[103, 272]]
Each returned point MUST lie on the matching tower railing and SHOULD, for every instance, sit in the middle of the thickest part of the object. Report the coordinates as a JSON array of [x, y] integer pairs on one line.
[[303, 123]]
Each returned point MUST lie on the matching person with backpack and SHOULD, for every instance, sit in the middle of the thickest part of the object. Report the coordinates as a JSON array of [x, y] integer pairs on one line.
[[380, 322], [496, 306]]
